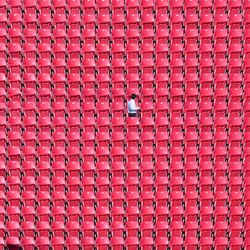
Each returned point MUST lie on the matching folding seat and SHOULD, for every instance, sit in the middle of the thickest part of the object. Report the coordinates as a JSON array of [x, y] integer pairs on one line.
[[43, 168], [29, 183], [235, 183], [73, 213], [102, 242], [59, 36], [117, 108], [177, 214], [117, 168], [4, 20], [235, 198], [147, 214], [235, 6], [161, 228], [58, 215], [161, 124], [2, 82], [246, 229], [117, 154], [45, 6], [147, 20], [15, 35], [102, 154], [117, 6], [30, 21], [28, 242], [30, 66], [148, 35], [89, 50], [236, 242], [132, 154], [147, 139], [88, 198], [12, 241], [191, 19], [89, 22], [103, 20], [2, 213], [102, 184], [147, 242], [3, 6], [14, 183], [102, 213], [59, 139], [133, 139], [13, 213], [59, 66], [132, 228], [147, 183], [221, 242], [42, 242], [102, 109], [57, 242], [43, 198], [73, 198], [103, 35], [58, 183], [176, 242], [132, 183], [58, 198], [15, 20], [132, 242], [102, 228], [133, 124], [132, 35], [15, 138], [58, 228], [133, 6], [28, 228], [161, 153], [220, 212], [191, 229], [206, 228], [177, 198], [44, 35], [29, 6], [45, 20], [14, 64], [74, 21], [117, 198], [191, 242], [28, 213], [4, 182], [44, 50], [73, 242], [235, 228], [147, 6], [3, 154], [3, 37], [3, 198], [2, 229], [15, 50], [13, 228], [147, 198]]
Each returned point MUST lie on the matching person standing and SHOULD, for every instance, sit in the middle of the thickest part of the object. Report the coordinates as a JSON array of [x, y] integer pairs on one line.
[[132, 109]]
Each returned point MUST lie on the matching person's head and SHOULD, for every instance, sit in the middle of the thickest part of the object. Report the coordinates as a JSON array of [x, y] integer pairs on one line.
[[133, 96]]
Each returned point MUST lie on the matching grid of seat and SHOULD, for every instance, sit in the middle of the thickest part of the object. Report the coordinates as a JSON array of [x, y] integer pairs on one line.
[[76, 172]]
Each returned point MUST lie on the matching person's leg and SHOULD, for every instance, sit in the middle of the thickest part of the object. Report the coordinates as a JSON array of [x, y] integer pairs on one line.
[[132, 114]]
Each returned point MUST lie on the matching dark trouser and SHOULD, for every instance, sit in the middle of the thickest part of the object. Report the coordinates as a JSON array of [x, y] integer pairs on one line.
[[132, 114]]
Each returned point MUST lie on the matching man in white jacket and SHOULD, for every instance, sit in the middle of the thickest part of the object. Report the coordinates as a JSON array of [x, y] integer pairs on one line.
[[132, 109]]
